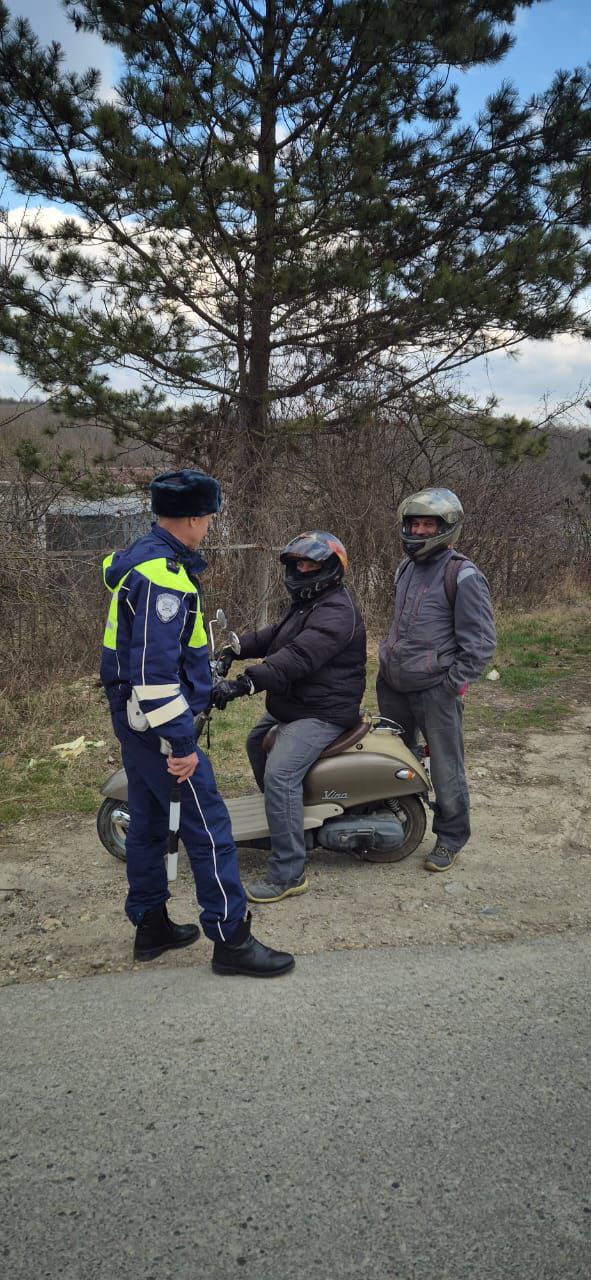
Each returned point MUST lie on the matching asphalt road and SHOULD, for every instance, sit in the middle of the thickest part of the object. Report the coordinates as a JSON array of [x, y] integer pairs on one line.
[[419, 1114]]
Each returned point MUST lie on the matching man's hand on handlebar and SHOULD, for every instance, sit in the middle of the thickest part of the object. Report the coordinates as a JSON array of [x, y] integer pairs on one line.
[[182, 767], [226, 690], [225, 660]]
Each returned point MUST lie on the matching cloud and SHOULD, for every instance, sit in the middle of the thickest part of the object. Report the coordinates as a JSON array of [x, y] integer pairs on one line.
[[554, 371], [47, 216], [13, 386], [82, 50]]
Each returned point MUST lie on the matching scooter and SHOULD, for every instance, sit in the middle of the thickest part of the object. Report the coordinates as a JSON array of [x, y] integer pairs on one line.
[[365, 795]]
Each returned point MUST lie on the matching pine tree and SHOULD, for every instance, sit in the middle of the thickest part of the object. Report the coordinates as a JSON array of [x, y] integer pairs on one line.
[[281, 209]]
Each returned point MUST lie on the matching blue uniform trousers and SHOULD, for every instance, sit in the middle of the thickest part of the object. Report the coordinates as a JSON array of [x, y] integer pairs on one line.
[[204, 829]]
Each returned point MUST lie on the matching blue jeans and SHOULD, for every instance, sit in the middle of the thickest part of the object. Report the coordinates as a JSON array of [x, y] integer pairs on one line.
[[204, 829], [438, 713], [280, 776]]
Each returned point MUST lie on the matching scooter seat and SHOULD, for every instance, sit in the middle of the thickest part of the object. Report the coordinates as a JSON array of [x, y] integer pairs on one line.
[[334, 748], [346, 739]]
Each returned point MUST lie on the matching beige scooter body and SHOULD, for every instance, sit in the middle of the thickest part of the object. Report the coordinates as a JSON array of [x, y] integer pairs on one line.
[[375, 775]]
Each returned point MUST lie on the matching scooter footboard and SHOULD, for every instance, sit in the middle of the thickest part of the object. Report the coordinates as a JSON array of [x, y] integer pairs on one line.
[[249, 820]]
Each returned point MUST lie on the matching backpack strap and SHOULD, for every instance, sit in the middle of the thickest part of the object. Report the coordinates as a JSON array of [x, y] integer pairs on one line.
[[400, 570], [450, 577]]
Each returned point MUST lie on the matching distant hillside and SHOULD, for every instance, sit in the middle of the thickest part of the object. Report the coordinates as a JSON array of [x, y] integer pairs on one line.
[[31, 420]]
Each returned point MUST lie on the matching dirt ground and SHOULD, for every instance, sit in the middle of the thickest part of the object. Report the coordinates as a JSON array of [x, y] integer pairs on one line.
[[525, 872]]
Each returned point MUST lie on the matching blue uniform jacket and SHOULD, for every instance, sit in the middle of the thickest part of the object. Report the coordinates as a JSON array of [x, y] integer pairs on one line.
[[155, 643]]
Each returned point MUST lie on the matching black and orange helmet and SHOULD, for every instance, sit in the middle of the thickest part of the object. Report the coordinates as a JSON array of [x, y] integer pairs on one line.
[[323, 548]]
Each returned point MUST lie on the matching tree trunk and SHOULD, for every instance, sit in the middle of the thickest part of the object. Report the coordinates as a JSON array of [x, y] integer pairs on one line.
[[255, 450]]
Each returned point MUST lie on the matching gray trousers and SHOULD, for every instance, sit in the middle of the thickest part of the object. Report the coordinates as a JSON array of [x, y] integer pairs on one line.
[[438, 714], [280, 775]]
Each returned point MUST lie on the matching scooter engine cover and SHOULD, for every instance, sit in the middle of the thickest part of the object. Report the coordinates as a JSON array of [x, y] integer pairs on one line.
[[360, 832]]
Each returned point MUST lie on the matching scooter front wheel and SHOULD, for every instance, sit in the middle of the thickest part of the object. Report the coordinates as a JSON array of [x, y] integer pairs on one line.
[[411, 813], [112, 821]]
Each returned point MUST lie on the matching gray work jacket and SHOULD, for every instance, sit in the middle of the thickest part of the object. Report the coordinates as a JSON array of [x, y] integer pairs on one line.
[[429, 640]]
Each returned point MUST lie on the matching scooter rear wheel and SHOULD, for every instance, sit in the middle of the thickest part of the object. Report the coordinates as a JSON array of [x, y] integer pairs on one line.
[[411, 813], [111, 822]]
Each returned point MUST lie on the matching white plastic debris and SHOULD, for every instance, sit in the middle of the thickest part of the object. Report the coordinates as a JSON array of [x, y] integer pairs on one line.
[[493, 675], [70, 750]]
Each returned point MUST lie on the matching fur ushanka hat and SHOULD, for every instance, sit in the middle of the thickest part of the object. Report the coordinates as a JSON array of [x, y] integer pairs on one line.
[[185, 493]]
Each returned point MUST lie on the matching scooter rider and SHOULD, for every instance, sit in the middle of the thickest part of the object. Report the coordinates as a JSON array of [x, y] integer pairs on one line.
[[156, 674], [313, 673], [441, 638]]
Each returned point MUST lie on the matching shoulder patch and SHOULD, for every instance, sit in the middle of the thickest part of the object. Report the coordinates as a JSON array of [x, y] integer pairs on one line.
[[167, 606]]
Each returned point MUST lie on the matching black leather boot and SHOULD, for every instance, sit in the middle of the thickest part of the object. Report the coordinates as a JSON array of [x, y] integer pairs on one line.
[[157, 933], [245, 955]]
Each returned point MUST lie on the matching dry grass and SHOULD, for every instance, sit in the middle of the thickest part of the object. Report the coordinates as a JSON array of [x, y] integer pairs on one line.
[[542, 656]]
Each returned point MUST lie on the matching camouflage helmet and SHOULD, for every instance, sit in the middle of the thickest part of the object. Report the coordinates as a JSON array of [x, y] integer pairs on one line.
[[441, 504]]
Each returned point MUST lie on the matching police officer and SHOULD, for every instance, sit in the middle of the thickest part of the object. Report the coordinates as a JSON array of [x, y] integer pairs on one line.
[[441, 638], [156, 674]]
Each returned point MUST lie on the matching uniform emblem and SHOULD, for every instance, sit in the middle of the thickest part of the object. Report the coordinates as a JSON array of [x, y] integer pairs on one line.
[[167, 606]]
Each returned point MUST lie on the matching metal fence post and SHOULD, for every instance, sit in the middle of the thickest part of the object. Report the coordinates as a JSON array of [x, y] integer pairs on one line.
[[263, 587], [511, 540]]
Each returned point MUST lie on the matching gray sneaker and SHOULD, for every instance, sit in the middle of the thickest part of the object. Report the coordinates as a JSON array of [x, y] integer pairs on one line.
[[441, 858], [267, 891]]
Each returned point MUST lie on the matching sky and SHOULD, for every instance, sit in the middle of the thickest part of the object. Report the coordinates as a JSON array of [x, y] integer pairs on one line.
[[553, 35]]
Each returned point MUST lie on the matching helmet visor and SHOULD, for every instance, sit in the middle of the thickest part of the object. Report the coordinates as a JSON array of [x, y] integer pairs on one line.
[[318, 546]]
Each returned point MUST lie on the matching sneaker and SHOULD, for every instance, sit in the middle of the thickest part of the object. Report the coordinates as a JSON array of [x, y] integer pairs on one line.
[[268, 891], [441, 858]]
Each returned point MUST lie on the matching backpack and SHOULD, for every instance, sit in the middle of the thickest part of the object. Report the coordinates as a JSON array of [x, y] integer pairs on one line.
[[450, 577]]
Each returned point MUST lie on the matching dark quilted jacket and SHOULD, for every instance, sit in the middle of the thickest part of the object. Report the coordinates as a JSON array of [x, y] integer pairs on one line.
[[314, 660]]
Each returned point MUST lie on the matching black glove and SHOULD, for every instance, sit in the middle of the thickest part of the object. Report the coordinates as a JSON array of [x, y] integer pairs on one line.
[[225, 660], [226, 690]]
